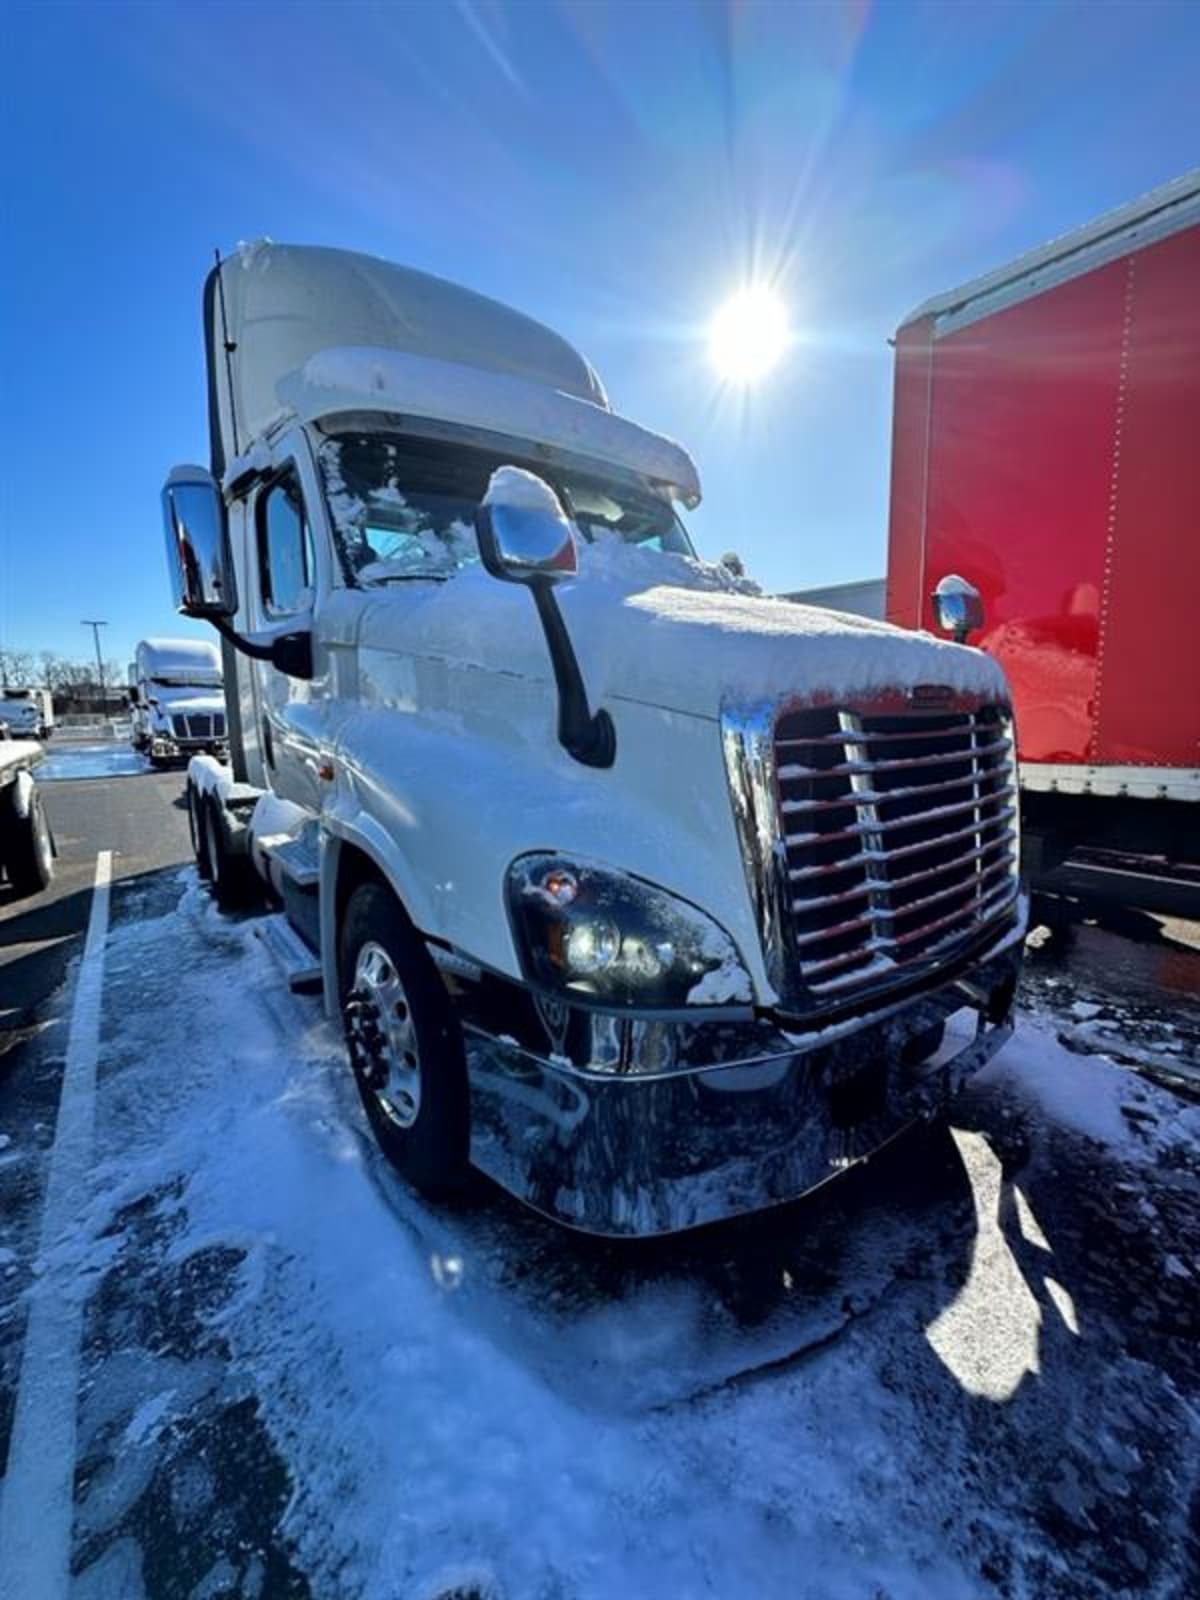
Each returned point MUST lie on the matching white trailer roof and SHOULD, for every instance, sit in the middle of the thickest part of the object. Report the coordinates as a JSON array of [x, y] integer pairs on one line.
[[1152, 216]]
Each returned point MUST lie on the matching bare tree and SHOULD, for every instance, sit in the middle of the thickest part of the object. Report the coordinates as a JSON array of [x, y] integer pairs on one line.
[[16, 668]]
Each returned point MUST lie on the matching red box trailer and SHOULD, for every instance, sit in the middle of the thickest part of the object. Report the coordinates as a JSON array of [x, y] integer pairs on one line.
[[1046, 447]]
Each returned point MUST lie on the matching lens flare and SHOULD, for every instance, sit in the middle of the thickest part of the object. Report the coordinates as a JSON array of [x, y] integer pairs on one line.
[[749, 335]]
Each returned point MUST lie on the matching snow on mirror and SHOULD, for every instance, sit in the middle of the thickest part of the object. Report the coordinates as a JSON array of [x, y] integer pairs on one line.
[[524, 533], [958, 607]]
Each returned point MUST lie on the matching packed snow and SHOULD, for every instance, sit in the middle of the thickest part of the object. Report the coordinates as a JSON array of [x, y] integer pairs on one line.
[[524, 491], [671, 631], [906, 1388]]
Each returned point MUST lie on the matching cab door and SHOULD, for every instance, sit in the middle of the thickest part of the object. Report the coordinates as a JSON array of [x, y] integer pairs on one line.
[[291, 564]]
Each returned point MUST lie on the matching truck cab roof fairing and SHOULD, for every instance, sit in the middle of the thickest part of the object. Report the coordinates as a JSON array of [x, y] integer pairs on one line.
[[271, 307]]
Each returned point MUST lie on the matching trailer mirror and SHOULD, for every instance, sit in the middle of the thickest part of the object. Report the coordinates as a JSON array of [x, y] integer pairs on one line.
[[957, 607], [198, 557], [524, 534]]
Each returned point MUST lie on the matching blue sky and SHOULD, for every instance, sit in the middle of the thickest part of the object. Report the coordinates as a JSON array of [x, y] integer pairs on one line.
[[614, 170]]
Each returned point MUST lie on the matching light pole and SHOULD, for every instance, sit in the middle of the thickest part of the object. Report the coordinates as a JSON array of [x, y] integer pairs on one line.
[[95, 626]]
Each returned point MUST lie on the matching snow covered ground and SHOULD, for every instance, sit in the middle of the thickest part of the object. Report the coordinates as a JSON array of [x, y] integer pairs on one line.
[[101, 760], [967, 1369]]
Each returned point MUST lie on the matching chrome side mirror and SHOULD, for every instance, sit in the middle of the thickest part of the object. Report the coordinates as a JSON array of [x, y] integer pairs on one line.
[[957, 607], [198, 557], [526, 537], [524, 534]]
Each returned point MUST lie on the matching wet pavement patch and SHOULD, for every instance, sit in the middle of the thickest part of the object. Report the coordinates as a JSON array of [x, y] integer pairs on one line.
[[177, 1479], [112, 760]]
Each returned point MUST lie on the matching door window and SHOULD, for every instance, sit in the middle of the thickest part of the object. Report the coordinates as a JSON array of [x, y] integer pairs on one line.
[[285, 548]]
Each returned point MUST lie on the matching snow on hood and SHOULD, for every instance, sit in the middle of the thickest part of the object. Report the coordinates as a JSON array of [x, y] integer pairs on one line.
[[689, 637], [187, 698], [674, 632]]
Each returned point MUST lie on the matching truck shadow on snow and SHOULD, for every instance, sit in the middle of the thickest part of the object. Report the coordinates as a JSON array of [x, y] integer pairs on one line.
[[970, 1288]]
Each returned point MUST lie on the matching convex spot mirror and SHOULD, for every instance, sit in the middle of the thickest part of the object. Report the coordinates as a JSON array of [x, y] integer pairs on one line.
[[524, 534], [198, 558], [957, 607]]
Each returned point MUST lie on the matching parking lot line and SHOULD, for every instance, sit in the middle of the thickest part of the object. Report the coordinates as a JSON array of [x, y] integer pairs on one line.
[[36, 1511]]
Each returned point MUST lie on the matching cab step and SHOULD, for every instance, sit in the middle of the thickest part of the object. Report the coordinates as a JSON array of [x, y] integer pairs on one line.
[[297, 858], [299, 965]]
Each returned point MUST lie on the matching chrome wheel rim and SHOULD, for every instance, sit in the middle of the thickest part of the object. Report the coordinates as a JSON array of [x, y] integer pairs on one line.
[[383, 1039]]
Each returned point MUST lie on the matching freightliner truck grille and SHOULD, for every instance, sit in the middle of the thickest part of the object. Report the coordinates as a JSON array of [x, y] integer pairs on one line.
[[897, 838]]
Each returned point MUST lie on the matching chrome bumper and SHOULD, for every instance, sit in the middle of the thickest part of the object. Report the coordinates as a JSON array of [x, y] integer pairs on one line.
[[644, 1154]]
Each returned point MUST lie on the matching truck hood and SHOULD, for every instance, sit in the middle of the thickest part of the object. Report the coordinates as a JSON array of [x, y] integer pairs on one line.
[[186, 699], [671, 632]]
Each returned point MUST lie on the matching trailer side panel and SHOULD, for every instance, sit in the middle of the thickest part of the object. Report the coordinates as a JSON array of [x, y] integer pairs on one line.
[[1148, 664]]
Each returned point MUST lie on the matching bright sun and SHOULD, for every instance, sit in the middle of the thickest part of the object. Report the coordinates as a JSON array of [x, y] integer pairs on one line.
[[748, 335]]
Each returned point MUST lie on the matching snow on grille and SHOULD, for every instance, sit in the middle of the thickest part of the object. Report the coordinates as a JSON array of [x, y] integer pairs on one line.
[[900, 836]]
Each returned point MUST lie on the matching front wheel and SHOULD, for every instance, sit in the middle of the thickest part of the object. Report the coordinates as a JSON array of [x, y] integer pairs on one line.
[[405, 1044]]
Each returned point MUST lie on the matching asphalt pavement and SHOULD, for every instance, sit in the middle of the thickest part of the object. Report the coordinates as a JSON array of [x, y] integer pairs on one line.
[[142, 822]]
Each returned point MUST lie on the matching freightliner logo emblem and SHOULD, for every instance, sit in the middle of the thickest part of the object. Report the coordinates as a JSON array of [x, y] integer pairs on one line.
[[931, 694]]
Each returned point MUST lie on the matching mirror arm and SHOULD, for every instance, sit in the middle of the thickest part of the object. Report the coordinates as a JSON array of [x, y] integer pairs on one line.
[[291, 653], [590, 738]]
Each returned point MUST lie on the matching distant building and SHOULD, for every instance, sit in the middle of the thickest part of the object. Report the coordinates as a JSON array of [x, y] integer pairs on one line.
[[865, 598]]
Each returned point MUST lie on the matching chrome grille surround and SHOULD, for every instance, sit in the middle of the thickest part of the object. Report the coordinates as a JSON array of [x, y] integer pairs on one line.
[[879, 840]]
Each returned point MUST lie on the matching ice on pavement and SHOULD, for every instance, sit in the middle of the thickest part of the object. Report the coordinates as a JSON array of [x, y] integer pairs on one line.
[[449, 1414], [111, 760]]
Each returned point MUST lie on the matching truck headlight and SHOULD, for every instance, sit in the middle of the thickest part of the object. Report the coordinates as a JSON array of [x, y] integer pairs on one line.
[[614, 940]]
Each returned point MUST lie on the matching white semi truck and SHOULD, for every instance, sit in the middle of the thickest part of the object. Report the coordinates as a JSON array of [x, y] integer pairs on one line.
[[176, 700], [646, 895], [27, 713]]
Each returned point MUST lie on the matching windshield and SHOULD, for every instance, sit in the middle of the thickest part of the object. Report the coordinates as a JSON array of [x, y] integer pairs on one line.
[[405, 508]]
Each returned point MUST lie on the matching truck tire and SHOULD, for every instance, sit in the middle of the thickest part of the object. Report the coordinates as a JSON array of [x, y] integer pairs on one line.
[[195, 804], [405, 1044], [28, 847], [231, 875]]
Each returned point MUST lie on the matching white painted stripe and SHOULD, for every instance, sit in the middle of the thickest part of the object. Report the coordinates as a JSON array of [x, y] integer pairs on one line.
[[37, 1510]]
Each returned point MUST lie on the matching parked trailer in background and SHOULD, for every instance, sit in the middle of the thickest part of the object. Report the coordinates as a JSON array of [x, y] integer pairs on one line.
[[177, 700], [1046, 447], [864, 597]]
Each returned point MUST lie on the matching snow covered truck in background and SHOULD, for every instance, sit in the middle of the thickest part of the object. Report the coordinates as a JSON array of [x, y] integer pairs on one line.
[[27, 713], [1046, 447], [176, 700], [646, 895]]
